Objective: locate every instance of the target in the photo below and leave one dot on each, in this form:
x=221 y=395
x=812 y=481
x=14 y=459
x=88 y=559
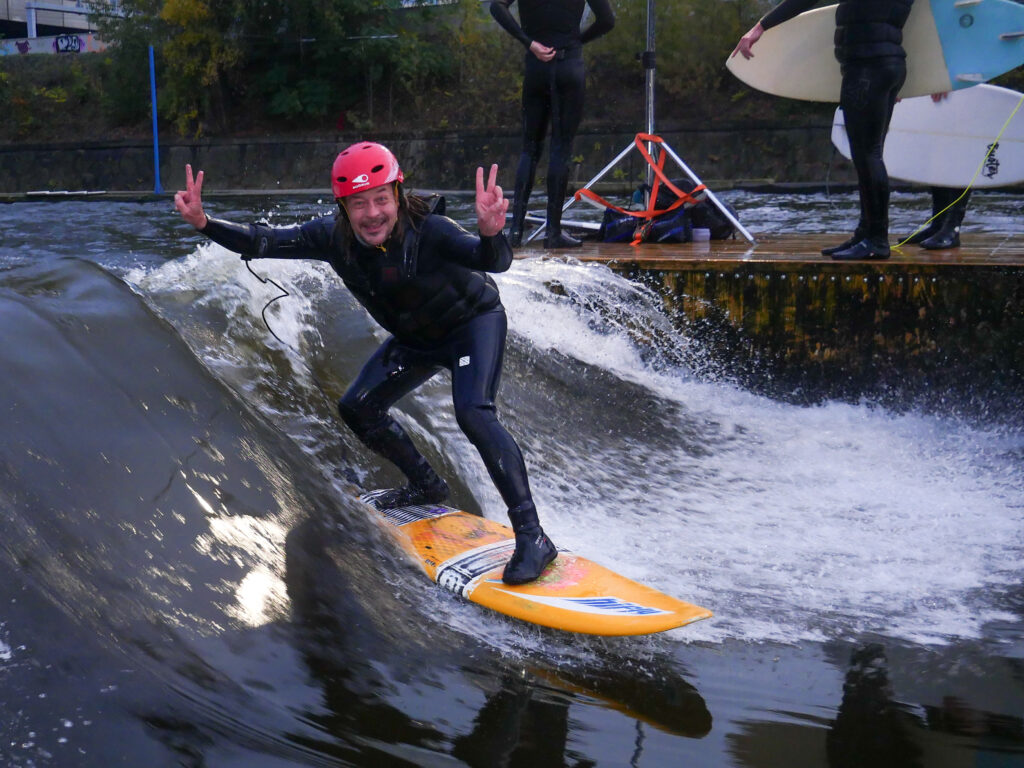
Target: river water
x=185 y=579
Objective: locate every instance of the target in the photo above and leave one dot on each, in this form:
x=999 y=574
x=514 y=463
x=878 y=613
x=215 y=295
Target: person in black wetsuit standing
x=553 y=89
x=424 y=279
x=869 y=47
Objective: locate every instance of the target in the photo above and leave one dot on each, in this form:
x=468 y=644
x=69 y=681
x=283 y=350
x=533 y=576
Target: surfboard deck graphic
x=944 y=143
x=466 y=554
x=950 y=44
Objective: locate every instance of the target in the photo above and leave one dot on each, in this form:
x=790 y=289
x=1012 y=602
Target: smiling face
x=372 y=213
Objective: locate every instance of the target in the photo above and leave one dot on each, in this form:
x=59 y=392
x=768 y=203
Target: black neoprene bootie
x=924 y=234
x=432 y=490
x=948 y=234
x=534 y=550
x=857 y=236
x=868 y=248
x=515 y=234
x=556 y=238
x=947 y=237
x=948 y=209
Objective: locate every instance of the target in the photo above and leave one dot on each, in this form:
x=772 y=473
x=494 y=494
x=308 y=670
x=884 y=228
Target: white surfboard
x=950 y=44
x=943 y=143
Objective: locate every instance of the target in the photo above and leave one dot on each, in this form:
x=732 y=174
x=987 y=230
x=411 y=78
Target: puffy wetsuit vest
x=868 y=29
x=865 y=29
x=420 y=288
x=554 y=23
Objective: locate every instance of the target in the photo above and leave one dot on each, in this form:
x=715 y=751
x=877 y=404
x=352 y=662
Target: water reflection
x=870 y=729
x=372 y=657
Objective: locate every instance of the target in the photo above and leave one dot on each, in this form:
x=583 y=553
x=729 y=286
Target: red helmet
x=363 y=166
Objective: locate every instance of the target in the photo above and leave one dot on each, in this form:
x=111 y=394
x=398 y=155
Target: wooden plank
x=976 y=249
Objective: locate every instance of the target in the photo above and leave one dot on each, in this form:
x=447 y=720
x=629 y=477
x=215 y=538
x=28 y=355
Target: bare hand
x=491 y=205
x=541 y=51
x=189 y=201
x=747 y=42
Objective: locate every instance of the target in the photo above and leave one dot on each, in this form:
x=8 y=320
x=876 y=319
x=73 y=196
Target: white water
x=790 y=523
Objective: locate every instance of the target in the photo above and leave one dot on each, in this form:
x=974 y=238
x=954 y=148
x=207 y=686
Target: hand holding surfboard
x=953 y=142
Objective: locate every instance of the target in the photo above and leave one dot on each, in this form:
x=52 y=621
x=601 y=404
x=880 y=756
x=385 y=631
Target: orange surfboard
x=466 y=554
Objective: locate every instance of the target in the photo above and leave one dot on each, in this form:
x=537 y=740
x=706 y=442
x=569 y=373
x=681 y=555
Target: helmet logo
x=361 y=179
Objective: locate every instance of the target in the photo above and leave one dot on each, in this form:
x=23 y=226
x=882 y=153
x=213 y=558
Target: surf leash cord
x=284 y=294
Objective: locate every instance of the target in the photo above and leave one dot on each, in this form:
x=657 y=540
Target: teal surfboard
x=950 y=44
x=981 y=39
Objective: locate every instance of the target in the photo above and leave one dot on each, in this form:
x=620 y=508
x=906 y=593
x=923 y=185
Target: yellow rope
x=991 y=149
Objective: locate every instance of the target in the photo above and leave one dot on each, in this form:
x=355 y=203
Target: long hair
x=412 y=210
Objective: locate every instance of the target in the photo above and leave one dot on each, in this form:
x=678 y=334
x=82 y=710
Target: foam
x=791 y=523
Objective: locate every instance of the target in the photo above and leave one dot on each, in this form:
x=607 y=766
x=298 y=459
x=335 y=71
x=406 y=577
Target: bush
x=247 y=67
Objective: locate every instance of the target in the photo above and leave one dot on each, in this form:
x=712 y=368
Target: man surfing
x=424 y=279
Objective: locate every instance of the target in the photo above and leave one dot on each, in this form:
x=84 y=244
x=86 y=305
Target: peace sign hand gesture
x=189 y=202
x=491 y=205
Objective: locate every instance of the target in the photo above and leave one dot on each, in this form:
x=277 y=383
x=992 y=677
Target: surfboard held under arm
x=466 y=554
x=974 y=136
x=950 y=44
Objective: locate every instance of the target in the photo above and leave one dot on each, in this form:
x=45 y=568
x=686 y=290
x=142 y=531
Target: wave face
x=186 y=577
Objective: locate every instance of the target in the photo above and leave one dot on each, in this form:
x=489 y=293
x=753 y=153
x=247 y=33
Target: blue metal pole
x=156 y=139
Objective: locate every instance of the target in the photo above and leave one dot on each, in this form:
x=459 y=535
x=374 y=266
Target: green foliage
x=46 y=97
x=126 y=96
x=1013 y=79
x=238 y=66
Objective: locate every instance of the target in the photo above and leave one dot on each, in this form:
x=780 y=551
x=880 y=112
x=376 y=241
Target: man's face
x=373 y=213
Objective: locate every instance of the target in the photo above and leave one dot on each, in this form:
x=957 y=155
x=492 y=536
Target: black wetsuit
x=552 y=91
x=430 y=290
x=868 y=45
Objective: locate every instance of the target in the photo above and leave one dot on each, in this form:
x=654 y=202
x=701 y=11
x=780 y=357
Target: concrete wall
x=941 y=334
x=434 y=161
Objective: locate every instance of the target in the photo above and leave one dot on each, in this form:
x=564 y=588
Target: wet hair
x=412 y=210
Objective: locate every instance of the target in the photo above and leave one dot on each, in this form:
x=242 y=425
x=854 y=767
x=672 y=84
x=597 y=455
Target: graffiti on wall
x=69 y=43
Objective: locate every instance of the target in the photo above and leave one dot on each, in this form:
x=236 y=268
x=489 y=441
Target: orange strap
x=682 y=198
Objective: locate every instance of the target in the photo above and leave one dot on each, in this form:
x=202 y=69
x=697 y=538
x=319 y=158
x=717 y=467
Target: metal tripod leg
x=685 y=168
x=571 y=201
x=711 y=195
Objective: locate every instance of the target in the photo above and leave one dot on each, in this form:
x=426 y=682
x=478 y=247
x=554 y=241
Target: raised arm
x=490 y=250
x=500 y=10
x=784 y=11
x=604 y=20
x=311 y=240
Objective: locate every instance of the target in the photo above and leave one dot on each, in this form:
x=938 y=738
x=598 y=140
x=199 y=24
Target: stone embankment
x=434 y=161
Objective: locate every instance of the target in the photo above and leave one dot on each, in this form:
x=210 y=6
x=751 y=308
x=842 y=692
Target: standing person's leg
x=867 y=96
x=859 y=231
x=940 y=200
x=947 y=234
x=536 y=111
x=567 y=112
x=392 y=372
x=477 y=352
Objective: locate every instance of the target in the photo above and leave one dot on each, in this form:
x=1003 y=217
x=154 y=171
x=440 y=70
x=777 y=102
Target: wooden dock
x=786 y=251
x=779 y=316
